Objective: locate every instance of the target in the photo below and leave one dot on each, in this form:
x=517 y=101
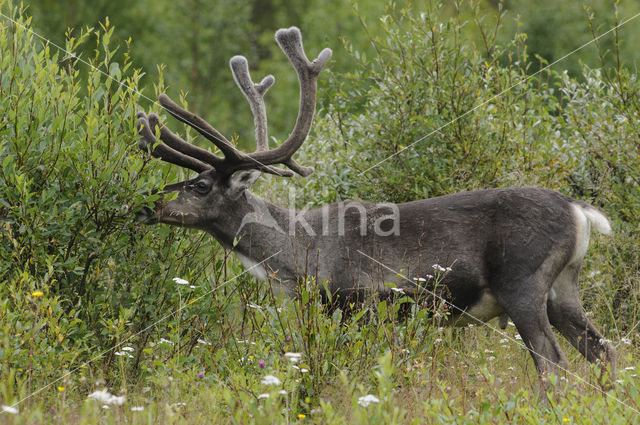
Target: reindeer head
x=222 y=180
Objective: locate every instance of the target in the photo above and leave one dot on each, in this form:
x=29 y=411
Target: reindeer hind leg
x=567 y=315
x=528 y=311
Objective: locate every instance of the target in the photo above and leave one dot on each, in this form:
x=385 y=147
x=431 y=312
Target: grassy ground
x=416 y=371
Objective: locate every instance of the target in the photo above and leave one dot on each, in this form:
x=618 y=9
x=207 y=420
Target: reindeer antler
x=177 y=151
x=255 y=96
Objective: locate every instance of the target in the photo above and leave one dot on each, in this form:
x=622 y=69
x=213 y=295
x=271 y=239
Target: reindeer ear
x=241 y=181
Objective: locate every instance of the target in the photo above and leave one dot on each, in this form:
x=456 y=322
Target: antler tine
x=234 y=160
x=290 y=41
x=176 y=142
x=254 y=93
x=255 y=96
x=148 y=143
x=190 y=156
x=200 y=125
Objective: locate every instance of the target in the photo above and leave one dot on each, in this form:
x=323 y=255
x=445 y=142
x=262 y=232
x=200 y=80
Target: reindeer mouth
x=146 y=216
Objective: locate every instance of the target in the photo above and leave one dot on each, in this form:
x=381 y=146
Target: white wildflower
x=293 y=357
x=165 y=341
x=282 y=392
x=261 y=396
x=503 y=341
x=439 y=268
x=130 y=349
x=625 y=341
x=180 y=281
x=203 y=342
x=630 y=368
x=518 y=337
x=398 y=290
x=137 y=408
x=123 y=354
x=256 y=306
x=270 y=380
x=105 y=397
x=366 y=400
x=192 y=286
x=9 y=409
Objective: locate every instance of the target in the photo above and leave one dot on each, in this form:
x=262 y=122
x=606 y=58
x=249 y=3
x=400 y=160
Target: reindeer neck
x=253 y=227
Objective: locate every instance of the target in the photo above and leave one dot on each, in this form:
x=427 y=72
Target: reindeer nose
x=150 y=192
x=146 y=215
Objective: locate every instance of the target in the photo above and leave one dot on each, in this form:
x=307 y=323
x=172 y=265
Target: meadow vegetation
x=175 y=330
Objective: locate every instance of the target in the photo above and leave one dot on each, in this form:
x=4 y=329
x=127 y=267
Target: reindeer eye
x=201 y=186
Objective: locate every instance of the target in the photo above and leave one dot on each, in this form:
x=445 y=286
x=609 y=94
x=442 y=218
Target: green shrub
x=78 y=274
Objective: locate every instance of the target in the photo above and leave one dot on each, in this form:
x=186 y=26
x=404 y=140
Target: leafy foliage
x=77 y=270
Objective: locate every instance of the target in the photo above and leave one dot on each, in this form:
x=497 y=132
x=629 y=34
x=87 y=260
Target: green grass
x=419 y=372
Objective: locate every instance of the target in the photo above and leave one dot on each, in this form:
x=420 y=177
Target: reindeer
x=514 y=252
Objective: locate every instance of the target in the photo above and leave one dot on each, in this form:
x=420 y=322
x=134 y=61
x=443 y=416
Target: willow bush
x=78 y=274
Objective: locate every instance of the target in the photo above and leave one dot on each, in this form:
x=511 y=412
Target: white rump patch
x=257 y=271
x=583 y=231
x=585 y=217
x=598 y=220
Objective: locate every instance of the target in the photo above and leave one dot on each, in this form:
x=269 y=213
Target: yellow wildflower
x=301 y=416
x=37 y=294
